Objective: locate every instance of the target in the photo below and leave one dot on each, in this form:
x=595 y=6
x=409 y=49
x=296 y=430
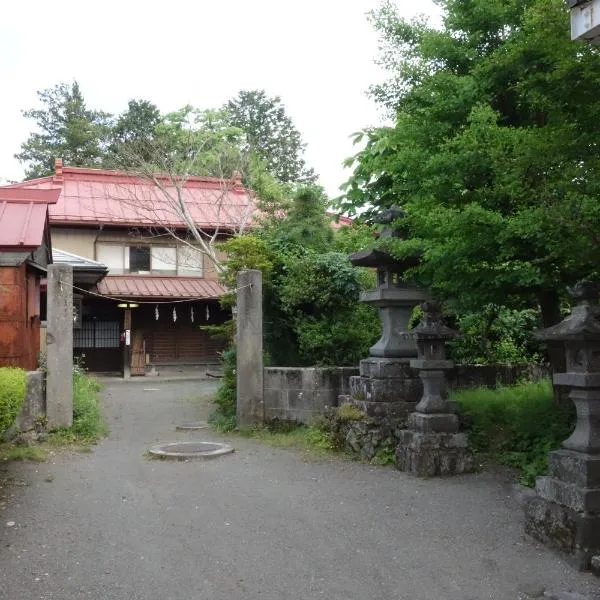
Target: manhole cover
x=191 y=450
x=192 y=426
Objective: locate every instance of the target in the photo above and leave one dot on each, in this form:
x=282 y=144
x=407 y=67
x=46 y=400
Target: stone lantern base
x=433 y=447
x=565 y=512
x=387 y=388
x=386 y=392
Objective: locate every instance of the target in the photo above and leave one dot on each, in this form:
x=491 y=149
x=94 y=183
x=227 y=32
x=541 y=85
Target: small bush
x=349 y=412
x=88 y=423
x=516 y=425
x=223 y=418
x=13 y=383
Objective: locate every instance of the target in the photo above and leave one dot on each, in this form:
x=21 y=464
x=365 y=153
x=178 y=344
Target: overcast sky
x=317 y=55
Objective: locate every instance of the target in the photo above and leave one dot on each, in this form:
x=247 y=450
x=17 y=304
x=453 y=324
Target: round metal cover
x=192 y=426
x=183 y=450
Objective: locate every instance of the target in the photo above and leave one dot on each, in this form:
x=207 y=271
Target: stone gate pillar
x=249 y=345
x=59 y=344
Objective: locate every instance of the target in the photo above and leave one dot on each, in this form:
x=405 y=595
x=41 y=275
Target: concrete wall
x=300 y=394
x=470 y=376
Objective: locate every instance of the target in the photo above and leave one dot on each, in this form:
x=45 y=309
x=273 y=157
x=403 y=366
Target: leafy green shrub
x=223 y=418
x=516 y=425
x=497 y=335
x=13 y=385
x=88 y=422
x=318 y=295
x=87 y=417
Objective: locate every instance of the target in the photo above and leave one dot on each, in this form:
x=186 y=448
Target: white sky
x=317 y=55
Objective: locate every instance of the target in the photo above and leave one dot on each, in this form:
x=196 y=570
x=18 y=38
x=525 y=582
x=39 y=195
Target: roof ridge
x=136 y=175
x=72 y=254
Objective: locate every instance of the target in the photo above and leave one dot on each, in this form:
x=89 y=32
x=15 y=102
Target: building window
x=164 y=258
x=111 y=255
x=139 y=259
x=189 y=261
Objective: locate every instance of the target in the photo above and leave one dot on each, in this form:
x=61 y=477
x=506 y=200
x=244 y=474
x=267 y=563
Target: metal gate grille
x=97 y=334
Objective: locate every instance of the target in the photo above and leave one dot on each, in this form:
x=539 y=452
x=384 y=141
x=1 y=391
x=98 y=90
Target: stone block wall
x=300 y=394
x=470 y=376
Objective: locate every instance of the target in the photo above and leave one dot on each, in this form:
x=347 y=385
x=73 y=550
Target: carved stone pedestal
x=432 y=446
x=565 y=513
x=385 y=388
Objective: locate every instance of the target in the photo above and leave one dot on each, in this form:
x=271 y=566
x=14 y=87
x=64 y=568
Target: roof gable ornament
x=58 y=170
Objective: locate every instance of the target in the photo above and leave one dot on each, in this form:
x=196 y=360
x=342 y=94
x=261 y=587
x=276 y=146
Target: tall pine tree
x=67 y=129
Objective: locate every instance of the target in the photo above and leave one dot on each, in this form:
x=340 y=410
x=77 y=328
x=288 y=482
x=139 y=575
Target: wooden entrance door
x=138 y=353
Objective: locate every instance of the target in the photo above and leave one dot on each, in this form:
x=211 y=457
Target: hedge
x=13 y=383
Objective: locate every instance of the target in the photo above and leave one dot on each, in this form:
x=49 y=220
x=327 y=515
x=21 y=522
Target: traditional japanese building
x=137 y=265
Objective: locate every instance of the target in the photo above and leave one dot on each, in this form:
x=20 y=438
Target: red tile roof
x=339 y=221
x=23 y=217
x=143 y=286
x=101 y=197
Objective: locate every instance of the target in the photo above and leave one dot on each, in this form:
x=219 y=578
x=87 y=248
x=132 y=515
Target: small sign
x=128 y=337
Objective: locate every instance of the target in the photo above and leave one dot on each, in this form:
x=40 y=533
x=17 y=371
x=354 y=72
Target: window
x=189 y=261
x=112 y=256
x=164 y=258
x=139 y=259
x=146 y=259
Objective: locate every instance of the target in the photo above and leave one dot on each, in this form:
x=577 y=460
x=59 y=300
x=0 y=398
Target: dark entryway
x=97 y=341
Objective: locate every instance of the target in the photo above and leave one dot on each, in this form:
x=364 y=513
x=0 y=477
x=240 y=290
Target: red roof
x=339 y=221
x=143 y=286
x=101 y=197
x=23 y=217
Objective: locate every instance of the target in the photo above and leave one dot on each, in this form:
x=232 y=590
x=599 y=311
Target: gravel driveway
x=262 y=523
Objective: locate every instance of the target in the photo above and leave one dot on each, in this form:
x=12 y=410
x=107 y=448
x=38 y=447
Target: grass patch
x=88 y=423
x=8 y=452
x=311 y=440
x=516 y=425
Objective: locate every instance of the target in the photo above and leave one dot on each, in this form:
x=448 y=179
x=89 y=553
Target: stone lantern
x=431 y=445
x=565 y=513
x=395 y=300
x=387 y=388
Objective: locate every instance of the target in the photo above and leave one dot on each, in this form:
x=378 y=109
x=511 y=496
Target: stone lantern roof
x=584 y=321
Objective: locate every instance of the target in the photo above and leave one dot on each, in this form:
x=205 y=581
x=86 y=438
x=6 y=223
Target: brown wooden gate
x=138 y=353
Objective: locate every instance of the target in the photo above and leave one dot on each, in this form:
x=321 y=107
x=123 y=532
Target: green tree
x=303 y=225
x=133 y=133
x=319 y=297
x=67 y=129
x=310 y=292
x=270 y=134
x=493 y=154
